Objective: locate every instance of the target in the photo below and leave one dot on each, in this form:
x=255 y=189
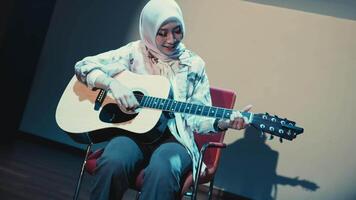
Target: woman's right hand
x=123 y=96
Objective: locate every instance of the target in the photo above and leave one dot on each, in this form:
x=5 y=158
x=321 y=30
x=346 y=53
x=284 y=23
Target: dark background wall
x=77 y=29
x=23 y=27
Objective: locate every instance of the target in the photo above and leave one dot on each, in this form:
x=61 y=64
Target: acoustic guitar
x=84 y=110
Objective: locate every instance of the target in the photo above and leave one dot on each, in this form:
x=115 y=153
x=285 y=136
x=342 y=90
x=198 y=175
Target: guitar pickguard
x=111 y=113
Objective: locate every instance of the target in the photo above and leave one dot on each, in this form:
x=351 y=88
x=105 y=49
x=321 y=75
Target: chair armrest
x=200 y=163
x=212 y=145
x=206 y=146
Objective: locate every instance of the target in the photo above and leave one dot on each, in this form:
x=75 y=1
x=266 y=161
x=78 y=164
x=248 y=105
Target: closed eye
x=162 y=33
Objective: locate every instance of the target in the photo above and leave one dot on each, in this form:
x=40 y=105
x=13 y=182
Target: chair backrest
x=220 y=98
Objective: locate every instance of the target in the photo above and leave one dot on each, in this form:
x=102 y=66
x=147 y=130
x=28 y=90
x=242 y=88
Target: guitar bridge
x=100 y=99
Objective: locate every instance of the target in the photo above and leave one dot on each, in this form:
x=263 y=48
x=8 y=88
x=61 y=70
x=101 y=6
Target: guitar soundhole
x=111 y=113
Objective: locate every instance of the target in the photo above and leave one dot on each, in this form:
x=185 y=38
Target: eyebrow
x=164 y=29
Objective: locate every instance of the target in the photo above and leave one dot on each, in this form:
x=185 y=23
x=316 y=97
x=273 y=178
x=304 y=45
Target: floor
x=32 y=168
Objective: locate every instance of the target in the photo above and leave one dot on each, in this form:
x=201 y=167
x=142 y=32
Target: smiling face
x=168 y=37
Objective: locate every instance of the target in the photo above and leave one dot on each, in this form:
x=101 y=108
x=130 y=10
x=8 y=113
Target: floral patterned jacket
x=187 y=76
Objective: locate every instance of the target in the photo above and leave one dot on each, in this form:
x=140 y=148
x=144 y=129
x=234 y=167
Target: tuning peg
x=271 y=128
x=271 y=137
x=280 y=140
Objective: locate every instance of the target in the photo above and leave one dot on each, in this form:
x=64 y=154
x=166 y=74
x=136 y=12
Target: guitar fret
x=212 y=112
x=149 y=103
x=179 y=104
x=223 y=115
x=188 y=107
x=165 y=104
x=152 y=104
x=193 y=109
x=160 y=103
x=155 y=103
x=199 y=109
x=174 y=104
x=205 y=111
x=208 y=111
x=196 y=109
x=182 y=108
x=219 y=113
x=170 y=103
x=143 y=101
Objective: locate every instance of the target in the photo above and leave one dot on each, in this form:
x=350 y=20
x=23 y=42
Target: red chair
x=210 y=149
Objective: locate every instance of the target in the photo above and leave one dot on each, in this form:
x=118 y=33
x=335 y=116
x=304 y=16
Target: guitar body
x=76 y=113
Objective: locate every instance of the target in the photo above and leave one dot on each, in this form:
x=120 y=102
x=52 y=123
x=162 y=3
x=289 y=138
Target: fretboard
x=183 y=107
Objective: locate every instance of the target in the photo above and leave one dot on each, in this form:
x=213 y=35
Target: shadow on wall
x=341 y=9
x=251 y=165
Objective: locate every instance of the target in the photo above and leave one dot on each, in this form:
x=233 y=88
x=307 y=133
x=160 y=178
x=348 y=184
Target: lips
x=170 y=48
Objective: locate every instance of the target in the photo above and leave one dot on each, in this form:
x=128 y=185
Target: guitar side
x=76 y=114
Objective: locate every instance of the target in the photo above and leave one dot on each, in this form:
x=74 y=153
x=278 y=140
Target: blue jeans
x=164 y=162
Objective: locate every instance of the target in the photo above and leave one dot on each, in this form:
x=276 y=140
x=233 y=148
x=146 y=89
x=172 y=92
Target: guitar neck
x=188 y=108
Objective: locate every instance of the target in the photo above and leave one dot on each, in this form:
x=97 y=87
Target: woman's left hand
x=236 y=120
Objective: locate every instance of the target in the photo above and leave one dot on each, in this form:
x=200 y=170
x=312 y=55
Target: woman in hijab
x=159 y=52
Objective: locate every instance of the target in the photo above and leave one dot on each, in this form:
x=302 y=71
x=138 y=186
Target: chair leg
x=211 y=187
x=138 y=195
x=81 y=173
x=200 y=164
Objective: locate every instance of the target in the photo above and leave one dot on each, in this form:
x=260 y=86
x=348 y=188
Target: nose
x=171 y=39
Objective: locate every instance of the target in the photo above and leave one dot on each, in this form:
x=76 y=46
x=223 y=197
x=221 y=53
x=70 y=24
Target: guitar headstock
x=276 y=126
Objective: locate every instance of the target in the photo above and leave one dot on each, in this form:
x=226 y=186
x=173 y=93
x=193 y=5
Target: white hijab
x=153 y=15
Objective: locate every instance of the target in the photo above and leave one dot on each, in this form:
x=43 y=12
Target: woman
x=160 y=52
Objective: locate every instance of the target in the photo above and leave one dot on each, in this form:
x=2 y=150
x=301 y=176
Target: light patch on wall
x=340 y=9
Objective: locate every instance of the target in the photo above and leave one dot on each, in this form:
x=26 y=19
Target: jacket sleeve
x=200 y=95
x=109 y=63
